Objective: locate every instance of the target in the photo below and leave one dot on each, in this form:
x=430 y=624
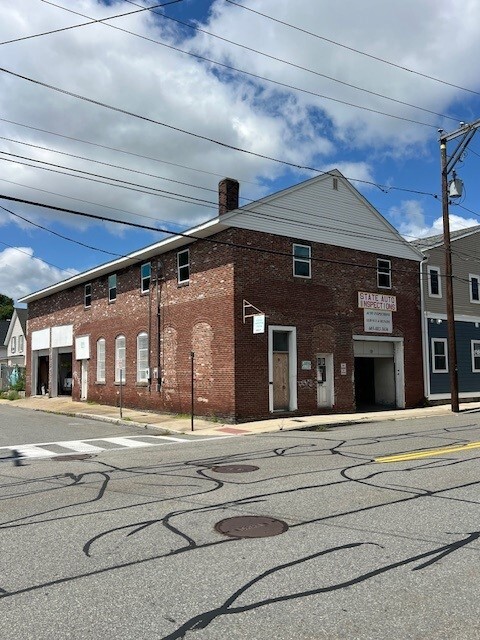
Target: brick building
x=302 y=302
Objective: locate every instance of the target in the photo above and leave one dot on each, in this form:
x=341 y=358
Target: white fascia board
x=169 y=244
x=458 y=318
x=440 y=243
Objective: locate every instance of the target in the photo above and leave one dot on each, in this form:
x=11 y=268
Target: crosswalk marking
x=80 y=446
x=90 y=445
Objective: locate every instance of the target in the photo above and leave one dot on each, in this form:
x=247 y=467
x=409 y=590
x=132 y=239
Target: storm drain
x=251 y=527
x=74 y=456
x=235 y=468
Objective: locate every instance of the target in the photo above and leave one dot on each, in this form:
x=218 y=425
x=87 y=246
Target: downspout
x=426 y=365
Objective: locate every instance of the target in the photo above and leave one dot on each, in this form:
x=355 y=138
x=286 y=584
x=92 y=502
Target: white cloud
x=21 y=272
x=410 y=220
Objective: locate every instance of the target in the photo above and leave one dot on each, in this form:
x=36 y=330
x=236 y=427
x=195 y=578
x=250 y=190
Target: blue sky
x=362 y=87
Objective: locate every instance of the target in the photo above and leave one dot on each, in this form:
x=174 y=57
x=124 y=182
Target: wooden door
x=281 y=386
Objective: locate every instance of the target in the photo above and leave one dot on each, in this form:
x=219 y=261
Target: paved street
x=378 y=535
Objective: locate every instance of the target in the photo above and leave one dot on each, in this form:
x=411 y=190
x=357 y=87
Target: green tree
x=6 y=307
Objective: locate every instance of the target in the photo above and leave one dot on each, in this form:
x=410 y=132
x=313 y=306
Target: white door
x=325 y=380
x=84 y=380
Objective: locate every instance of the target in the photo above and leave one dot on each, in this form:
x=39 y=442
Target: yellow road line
x=417 y=455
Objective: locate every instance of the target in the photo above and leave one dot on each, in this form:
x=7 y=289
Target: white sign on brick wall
x=379 y=301
x=377 y=321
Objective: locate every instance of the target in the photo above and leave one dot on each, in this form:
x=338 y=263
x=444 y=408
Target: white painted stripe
x=127 y=442
x=78 y=445
x=31 y=451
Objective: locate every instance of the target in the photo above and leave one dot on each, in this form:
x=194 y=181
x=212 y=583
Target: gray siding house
x=465 y=245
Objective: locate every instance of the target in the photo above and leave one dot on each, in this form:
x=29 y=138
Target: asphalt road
x=123 y=544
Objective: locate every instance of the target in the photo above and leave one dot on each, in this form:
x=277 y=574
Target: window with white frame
x=101 y=360
x=142 y=357
x=145 y=277
x=302 y=261
x=120 y=353
x=183 y=266
x=13 y=345
x=87 y=297
x=439 y=355
x=21 y=344
x=474 y=288
x=434 y=282
x=384 y=274
x=475 y=346
x=112 y=287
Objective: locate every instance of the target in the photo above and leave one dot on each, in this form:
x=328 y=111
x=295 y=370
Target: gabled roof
x=19 y=314
x=313 y=211
x=423 y=244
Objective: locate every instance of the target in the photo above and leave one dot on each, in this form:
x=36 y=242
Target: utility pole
x=466 y=132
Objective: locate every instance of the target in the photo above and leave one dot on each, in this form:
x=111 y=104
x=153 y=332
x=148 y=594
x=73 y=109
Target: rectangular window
x=302 y=262
x=183 y=266
x=14 y=344
x=101 y=360
x=384 y=274
x=20 y=344
x=142 y=357
x=87 y=298
x=145 y=277
x=434 y=282
x=475 y=356
x=439 y=355
x=474 y=288
x=120 y=359
x=112 y=287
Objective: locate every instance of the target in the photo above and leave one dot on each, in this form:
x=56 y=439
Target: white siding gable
x=315 y=211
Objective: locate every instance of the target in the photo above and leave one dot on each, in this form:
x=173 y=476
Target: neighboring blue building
x=465 y=245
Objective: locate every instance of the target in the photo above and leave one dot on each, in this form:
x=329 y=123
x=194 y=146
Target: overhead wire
x=358 y=51
x=211 y=204
x=85 y=24
x=253 y=75
x=193 y=238
x=297 y=66
x=197 y=135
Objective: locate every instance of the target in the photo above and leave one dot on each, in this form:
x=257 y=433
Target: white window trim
x=306 y=260
x=101 y=361
x=117 y=360
x=87 y=306
x=179 y=280
x=445 y=342
x=472 y=349
x=21 y=344
x=142 y=372
x=13 y=345
x=470 y=276
x=381 y=286
x=439 y=294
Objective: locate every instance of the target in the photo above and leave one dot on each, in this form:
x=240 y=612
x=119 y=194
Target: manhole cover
x=251 y=527
x=75 y=456
x=235 y=468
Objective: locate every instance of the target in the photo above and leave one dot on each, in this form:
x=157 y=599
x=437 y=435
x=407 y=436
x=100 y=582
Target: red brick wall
x=205 y=316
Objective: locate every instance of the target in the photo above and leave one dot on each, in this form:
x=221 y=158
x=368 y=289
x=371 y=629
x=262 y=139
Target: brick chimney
x=228 y=190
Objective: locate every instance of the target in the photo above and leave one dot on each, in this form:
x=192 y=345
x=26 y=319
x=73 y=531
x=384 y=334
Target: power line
x=33 y=257
x=210 y=204
x=297 y=66
x=362 y=53
x=103 y=146
x=256 y=76
x=84 y=24
x=197 y=135
x=59 y=235
x=191 y=237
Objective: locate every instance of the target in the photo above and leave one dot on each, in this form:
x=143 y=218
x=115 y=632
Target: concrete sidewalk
x=169 y=423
